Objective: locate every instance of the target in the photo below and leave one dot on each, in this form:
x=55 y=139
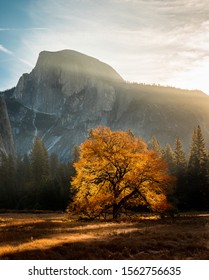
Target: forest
x=38 y=181
x=35 y=182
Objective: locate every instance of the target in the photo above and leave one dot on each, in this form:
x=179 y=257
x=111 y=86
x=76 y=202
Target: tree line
x=111 y=170
x=191 y=171
x=37 y=181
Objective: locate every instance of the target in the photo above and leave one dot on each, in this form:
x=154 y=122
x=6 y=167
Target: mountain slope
x=68 y=93
x=6 y=139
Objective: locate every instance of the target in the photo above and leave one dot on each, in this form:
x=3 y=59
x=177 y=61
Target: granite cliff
x=6 y=138
x=68 y=93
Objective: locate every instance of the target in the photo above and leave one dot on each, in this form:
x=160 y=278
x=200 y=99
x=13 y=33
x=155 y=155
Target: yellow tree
x=116 y=169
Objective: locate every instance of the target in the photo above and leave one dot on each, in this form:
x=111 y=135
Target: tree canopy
x=116 y=170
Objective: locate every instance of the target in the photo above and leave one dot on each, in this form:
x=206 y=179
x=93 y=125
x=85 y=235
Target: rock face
x=65 y=95
x=68 y=93
x=6 y=139
x=61 y=76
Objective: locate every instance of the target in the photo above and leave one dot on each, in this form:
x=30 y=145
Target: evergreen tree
x=198 y=154
x=24 y=183
x=8 y=190
x=169 y=158
x=27 y=168
x=180 y=171
x=53 y=190
x=40 y=172
x=197 y=172
x=39 y=161
x=179 y=158
x=34 y=182
x=155 y=145
x=53 y=166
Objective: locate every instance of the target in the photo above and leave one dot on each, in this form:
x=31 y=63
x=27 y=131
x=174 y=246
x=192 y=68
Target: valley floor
x=53 y=236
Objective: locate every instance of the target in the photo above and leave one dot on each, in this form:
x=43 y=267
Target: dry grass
x=53 y=236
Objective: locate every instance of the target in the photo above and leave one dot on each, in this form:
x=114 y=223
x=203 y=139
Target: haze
x=153 y=41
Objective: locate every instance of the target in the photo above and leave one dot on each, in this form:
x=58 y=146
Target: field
x=54 y=236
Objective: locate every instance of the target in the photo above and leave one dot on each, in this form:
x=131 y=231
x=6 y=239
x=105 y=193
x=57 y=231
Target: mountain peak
x=76 y=64
x=59 y=75
x=68 y=93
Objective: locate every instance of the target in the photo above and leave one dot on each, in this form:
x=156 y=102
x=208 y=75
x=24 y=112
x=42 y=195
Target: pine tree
x=169 y=158
x=24 y=183
x=34 y=182
x=40 y=171
x=198 y=154
x=198 y=173
x=8 y=190
x=180 y=171
x=179 y=158
x=53 y=166
x=27 y=169
x=39 y=159
x=155 y=146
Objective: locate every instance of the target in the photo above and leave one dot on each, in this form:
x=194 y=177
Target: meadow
x=56 y=236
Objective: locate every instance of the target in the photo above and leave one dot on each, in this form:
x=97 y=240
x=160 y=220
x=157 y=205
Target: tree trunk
x=115 y=211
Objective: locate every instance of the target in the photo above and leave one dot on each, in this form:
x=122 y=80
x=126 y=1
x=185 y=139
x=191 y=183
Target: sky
x=146 y=41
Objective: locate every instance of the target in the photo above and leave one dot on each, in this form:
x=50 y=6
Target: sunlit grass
x=52 y=236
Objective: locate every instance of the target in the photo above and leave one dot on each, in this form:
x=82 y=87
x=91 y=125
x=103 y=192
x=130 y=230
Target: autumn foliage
x=115 y=170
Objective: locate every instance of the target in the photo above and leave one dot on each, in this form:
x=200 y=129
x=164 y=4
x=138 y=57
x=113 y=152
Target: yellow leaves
x=115 y=168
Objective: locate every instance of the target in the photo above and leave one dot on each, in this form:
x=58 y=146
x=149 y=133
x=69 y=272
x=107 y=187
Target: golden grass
x=53 y=236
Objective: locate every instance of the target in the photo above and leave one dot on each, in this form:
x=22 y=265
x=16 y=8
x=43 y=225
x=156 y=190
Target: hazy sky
x=149 y=41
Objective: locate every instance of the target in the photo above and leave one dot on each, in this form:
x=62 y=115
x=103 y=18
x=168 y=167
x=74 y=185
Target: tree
x=39 y=159
x=56 y=193
x=198 y=172
x=180 y=171
x=8 y=190
x=179 y=158
x=40 y=172
x=115 y=170
x=155 y=145
x=169 y=158
x=198 y=154
x=23 y=182
x=53 y=165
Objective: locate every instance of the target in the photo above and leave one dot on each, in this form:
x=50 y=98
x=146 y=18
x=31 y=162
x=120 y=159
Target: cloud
x=5 y=50
x=145 y=41
x=26 y=62
x=4 y=29
x=151 y=41
x=21 y=29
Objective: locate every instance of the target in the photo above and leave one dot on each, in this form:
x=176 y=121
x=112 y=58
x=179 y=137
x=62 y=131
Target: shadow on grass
x=21 y=233
x=128 y=246
x=186 y=238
